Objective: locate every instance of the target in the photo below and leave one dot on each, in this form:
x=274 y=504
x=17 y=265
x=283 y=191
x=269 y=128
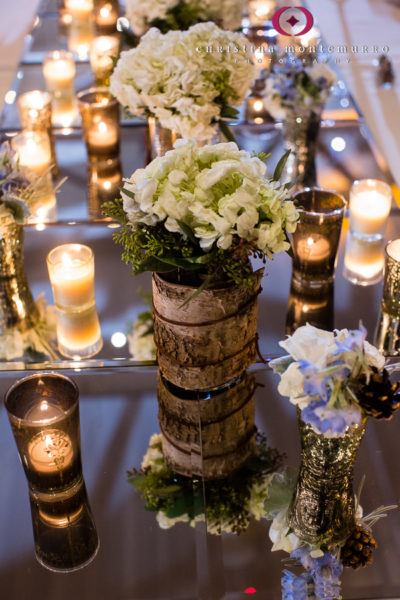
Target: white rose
x=292 y=383
x=280 y=536
x=310 y=343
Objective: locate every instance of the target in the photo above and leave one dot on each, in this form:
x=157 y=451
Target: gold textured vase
x=17 y=306
x=323 y=506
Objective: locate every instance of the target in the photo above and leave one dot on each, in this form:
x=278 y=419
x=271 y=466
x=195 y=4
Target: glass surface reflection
x=315 y=307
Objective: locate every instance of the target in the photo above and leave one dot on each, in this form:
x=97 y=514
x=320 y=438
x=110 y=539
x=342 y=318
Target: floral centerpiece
x=169 y=15
x=336 y=380
x=229 y=503
x=296 y=93
x=322 y=562
x=187 y=89
x=141 y=338
x=195 y=217
x=24 y=325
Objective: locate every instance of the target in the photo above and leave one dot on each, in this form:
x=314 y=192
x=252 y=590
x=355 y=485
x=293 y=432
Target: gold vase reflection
x=315 y=307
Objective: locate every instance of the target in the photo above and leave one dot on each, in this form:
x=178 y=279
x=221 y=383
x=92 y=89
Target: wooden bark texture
x=210 y=340
x=209 y=437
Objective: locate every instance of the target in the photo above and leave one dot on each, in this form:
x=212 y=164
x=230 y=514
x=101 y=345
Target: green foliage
x=226 y=501
x=179 y=17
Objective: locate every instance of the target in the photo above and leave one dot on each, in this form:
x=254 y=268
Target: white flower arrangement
x=167 y=15
x=174 y=78
x=141 y=338
x=169 y=493
x=21 y=191
x=203 y=208
x=336 y=379
x=38 y=341
x=294 y=88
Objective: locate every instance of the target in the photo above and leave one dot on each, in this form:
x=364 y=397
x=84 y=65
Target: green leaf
x=128 y=193
x=181 y=263
x=152 y=263
x=229 y=112
x=203 y=286
x=178 y=508
x=187 y=231
x=280 y=166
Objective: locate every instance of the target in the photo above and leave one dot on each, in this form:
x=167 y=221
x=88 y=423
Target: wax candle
x=363 y=261
x=79 y=332
x=50 y=451
x=79 y=9
x=71 y=270
x=102 y=136
x=33 y=150
x=370 y=203
x=59 y=70
x=313 y=249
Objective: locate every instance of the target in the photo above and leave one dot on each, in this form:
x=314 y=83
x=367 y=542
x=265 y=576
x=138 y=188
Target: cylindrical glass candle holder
x=44 y=414
x=316 y=239
x=35 y=115
x=59 y=73
x=364 y=260
x=102 y=49
x=106 y=16
x=71 y=272
x=370 y=203
x=261 y=11
x=387 y=337
x=35 y=158
x=100 y=123
x=80 y=10
x=104 y=185
x=64 y=530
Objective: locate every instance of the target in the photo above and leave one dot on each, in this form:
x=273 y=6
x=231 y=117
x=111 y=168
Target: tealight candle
x=370 y=203
x=79 y=39
x=260 y=11
x=79 y=9
x=50 y=451
x=106 y=16
x=313 y=249
x=71 y=271
x=101 y=51
x=100 y=123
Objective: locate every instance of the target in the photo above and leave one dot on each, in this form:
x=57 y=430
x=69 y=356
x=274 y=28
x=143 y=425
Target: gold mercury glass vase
x=17 y=306
x=323 y=506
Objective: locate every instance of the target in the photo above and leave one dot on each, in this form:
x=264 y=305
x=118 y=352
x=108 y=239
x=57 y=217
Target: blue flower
x=334 y=420
x=326 y=575
x=316 y=382
x=296 y=587
x=353 y=342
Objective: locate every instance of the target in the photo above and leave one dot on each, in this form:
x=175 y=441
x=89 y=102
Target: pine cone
x=358 y=549
x=380 y=397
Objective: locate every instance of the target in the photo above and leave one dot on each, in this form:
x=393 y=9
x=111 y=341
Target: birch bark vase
x=323 y=507
x=209 y=434
x=208 y=341
x=17 y=306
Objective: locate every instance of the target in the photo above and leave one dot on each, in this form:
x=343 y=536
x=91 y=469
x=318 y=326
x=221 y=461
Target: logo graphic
x=292 y=20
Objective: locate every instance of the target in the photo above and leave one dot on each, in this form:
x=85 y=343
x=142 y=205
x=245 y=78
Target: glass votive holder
x=370 y=203
x=43 y=410
x=316 y=239
x=59 y=73
x=71 y=272
x=80 y=10
x=64 y=529
x=104 y=182
x=35 y=115
x=364 y=260
x=387 y=338
x=102 y=49
x=261 y=11
x=100 y=123
x=106 y=16
x=80 y=35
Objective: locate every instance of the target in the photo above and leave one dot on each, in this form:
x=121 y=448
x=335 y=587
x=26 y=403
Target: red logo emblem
x=289 y=19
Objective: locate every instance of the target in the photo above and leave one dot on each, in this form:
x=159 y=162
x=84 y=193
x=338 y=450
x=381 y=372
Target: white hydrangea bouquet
x=230 y=502
x=292 y=87
x=204 y=210
x=169 y=15
x=174 y=79
x=336 y=379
